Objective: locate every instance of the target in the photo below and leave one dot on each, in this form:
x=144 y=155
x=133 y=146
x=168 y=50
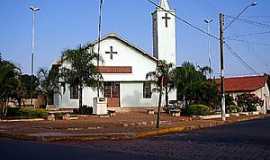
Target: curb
x=162 y=131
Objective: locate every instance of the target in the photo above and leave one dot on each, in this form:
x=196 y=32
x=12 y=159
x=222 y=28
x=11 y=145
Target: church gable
x=110 y=42
x=122 y=60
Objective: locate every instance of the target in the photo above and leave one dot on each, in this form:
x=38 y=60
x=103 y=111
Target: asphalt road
x=247 y=140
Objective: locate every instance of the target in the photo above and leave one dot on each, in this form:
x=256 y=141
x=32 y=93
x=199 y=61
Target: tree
x=48 y=82
x=193 y=86
x=162 y=77
x=9 y=79
x=82 y=70
x=27 y=85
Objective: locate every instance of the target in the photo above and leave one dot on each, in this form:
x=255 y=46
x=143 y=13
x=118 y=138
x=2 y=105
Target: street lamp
x=222 y=29
x=208 y=21
x=250 y=5
x=34 y=11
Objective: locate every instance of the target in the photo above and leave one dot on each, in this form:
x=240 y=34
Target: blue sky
x=63 y=24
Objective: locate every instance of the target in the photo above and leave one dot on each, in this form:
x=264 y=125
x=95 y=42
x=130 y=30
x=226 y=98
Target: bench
x=65 y=116
x=175 y=112
x=150 y=111
x=111 y=113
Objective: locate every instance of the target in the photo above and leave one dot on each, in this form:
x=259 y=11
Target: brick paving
x=122 y=126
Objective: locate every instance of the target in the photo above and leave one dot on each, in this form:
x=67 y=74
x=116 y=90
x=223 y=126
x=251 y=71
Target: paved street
x=247 y=140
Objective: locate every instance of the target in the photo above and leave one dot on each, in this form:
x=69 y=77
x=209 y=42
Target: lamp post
x=208 y=21
x=34 y=11
x=222 y=29
x=243 y=10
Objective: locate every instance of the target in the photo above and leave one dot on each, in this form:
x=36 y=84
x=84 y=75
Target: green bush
x=198 y=109
x=27 y=113
x=233 y=109
x=11 y=112
x=249 y=102
x=85 y=110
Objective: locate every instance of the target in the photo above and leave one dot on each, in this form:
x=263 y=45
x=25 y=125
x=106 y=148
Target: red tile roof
x=243 y=84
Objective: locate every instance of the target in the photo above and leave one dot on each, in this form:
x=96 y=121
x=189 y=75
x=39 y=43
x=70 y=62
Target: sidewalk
x=129 y=125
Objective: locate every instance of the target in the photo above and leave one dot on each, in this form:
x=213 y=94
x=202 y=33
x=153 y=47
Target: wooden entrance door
x=112 y=93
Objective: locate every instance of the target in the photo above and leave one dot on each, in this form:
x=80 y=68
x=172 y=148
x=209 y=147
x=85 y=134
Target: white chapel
x=125 y=67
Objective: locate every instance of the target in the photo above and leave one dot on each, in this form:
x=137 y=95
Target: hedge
x=27 y=113
x=198 y=109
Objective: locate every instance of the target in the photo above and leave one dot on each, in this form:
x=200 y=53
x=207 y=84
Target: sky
x=65 y=24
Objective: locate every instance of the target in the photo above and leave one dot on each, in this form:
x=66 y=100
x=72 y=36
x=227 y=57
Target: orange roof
x=243 y=84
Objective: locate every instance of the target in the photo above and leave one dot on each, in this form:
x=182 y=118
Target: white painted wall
x=126 y=56
x=132 y=95
x=164 y=38
x=263 y=93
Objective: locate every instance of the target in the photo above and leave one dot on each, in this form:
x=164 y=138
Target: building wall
x=131 y=95
x=164 y=38
x=263 y=93
x=126 y=56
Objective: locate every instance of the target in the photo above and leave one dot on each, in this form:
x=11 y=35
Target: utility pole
x=99 y=39
x=221 y=22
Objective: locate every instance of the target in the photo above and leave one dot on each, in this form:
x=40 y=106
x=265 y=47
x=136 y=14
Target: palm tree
x=82 y=71
x=48 y=82
x=9 y=79
x=162 y=77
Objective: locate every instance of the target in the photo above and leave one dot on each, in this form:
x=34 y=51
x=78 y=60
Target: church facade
x=125 y=67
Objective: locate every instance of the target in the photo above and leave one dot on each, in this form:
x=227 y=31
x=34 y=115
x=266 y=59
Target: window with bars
x=147 y=93
x=74 y=92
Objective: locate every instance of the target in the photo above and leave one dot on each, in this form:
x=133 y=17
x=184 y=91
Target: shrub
x=233 y=109
x=11 y=112
x=249 y=102
x=198 y=109
x=86 y=110
x=27 y=113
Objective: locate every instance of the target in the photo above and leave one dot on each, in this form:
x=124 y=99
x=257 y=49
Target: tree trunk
x=159 y=106
x=159 y=103
x=80 y=97
x=167 y=97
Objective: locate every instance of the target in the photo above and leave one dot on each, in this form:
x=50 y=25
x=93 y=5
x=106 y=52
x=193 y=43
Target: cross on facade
x=166 y=18
x=111 y=52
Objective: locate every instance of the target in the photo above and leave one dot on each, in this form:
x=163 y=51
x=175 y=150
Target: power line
x=252 y=22
x=249 y=42
x=250 y=34
x=245 y=64
x=183 y=20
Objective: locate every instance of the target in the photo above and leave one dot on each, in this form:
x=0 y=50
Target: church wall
x=164 y=37
x=132 y=95
x=65 y=101
x=126 y=56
